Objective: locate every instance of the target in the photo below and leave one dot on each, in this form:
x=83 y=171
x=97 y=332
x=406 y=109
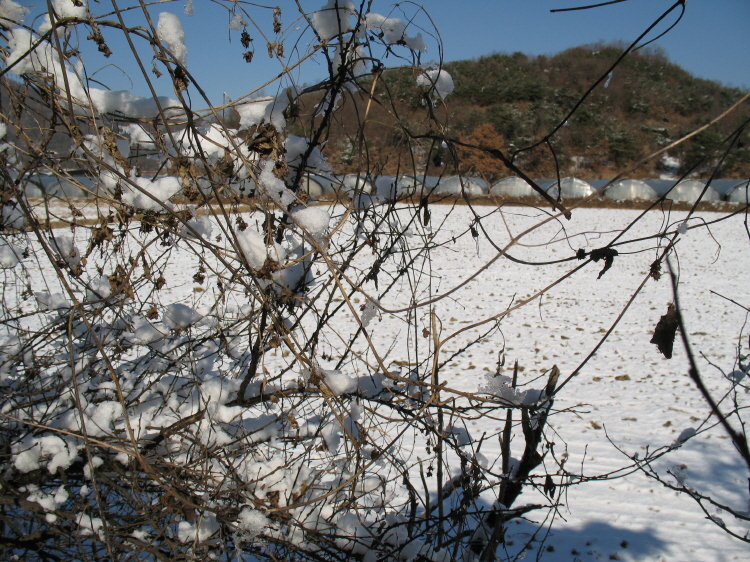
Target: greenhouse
x=739 y=192
x=73 y=184
x=352 y=184
x=571 y=188
x=455 y=185
x=690 y=190
x=630 y=189
x=314 y=186
x=513 y=186
x=406 y=186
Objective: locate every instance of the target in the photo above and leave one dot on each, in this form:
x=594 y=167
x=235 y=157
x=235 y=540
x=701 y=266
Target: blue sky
x=712 y=40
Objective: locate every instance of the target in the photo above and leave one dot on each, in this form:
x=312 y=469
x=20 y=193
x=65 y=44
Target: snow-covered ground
x=628 y=396
x=628 y=393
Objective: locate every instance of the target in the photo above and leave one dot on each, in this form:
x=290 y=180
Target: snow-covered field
x=628 y=393
x=628 y=396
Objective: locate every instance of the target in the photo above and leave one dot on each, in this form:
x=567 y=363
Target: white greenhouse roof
x=454 y=185
x=690 y=190
x=630 y=189
x=353 y=184
x=513 y=186
x=739 y=192
x=311 y=186
x=571 y=188
x=408 y=185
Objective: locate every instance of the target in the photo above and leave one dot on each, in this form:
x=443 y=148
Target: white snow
x=333 y=18
x=150 y=195
x=70 y=9
x=45 y=60
x=314 y=220
x=338 y=382
x=54 y=301
x=90 y=525
x=12 y=217
x=252 y=112
x=12 y=12
x=272 y=186
x=253 y=247
x=652 y=407
x=138 y=135
x=438 y=79
x=172 y=35
x=683 y=436
x=295 y=148
x=124 y=102
x=64 y=245
x=394 y=31
x=369 y=312
x=252 y=521
x=200 y=226
x=10 y=255
x=51 y=451
x=178 y=316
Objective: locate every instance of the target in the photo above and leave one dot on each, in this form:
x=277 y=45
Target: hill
x=512 y=101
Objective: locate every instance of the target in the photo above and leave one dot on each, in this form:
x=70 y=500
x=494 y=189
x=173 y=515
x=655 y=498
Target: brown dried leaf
x=608 y=254
x=119 y=282
x=152 y=313
x=655 y=272
x=245 y=39
x=666 y=330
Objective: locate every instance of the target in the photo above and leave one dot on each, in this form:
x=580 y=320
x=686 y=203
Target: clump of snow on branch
x=314 y=220
x=394 y=32
x=501 y=386
x=272 y=186
x=10 y=255
x=268 y=110
x=296 y=147
x=369 y=311
x=145 y=194
x=684 y=435
x=205 y=525
x=44 y=60
x=172 y=35
x=178 y=316
x=252 y=521
x=90 y=525
x=334 y=18
x=71 y=8
x=11 y=11
x=66 y=247
x=436 y=79
x=253 y=247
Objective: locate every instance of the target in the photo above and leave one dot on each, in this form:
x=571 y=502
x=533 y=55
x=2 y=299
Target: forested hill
x=513 y=100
